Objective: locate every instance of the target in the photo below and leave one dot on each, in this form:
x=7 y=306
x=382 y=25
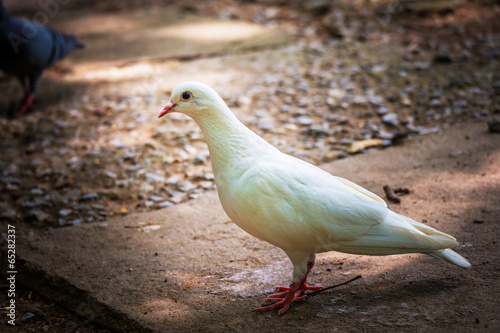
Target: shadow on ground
x=187 y=267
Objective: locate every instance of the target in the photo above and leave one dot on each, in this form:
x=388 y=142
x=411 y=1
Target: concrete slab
x=188 y=268
x=147 y=34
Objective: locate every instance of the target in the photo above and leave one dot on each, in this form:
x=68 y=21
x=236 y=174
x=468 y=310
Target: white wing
x=298 y=206
x=295 y=205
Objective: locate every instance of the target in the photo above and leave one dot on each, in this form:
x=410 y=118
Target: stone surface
x=197 y=270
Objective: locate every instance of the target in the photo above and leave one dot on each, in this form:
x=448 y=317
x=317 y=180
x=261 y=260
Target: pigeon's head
x=194 y=99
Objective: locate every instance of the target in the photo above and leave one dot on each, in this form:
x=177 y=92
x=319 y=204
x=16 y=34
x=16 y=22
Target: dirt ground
x=187 y=268
x=314 y=80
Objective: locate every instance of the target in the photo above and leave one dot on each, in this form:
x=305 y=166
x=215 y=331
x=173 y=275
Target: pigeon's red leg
x=29 y=86
x=27 y=104
x=290 y=294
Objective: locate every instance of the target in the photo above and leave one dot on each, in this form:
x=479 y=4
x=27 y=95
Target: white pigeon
x=295 y=205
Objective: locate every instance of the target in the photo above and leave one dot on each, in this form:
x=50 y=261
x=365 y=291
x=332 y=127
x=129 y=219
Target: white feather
x=295 y=205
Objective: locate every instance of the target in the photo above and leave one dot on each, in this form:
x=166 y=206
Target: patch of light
x=211 y=31
x=119 y=73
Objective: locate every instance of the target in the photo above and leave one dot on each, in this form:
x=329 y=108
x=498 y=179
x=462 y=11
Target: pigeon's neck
x=233 y=147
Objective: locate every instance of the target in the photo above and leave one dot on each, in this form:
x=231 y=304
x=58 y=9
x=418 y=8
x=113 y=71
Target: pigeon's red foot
x=288 y=295
x=285 y=291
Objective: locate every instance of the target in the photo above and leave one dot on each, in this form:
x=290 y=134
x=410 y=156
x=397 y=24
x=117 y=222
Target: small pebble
x=305 y=120
x=165 y=204
x=27 y=316
x=90 y=196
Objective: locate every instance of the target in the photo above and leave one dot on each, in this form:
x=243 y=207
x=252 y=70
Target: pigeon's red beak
x=166 y=109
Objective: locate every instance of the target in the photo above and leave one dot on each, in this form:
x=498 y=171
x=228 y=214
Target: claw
x=284 y=299
x=276 y=305
x=294 y=293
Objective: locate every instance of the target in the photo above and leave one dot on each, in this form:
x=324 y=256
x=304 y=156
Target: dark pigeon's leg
x=30 y=93
x=24 y=84
x=28 y=104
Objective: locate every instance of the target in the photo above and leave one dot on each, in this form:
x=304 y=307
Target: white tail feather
x=451 y=256
x=400 y=234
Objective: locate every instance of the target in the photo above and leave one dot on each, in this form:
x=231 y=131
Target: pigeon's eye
x=186 y=96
